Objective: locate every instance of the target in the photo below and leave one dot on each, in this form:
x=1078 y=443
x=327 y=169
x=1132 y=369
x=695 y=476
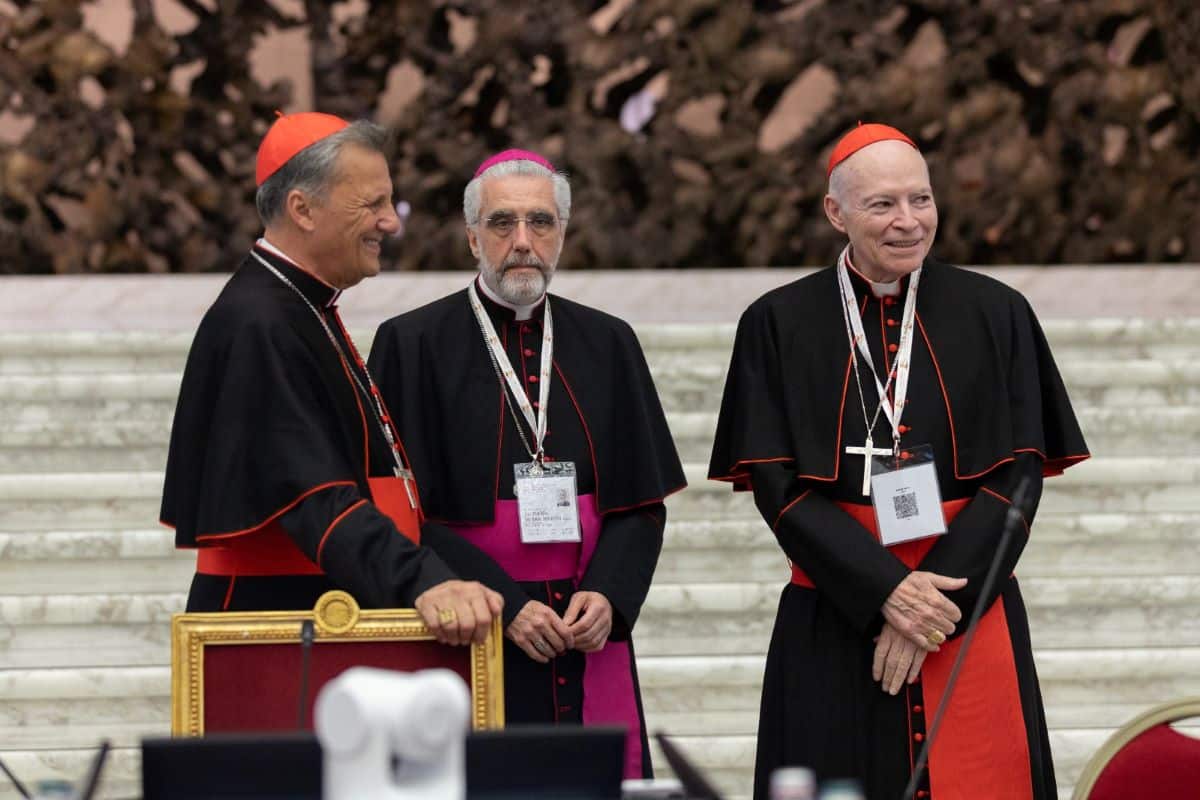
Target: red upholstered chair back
x=1146 y=758
x=242 y=672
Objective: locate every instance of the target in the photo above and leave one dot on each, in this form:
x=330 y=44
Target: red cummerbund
x=911 y=553
x=266 y=551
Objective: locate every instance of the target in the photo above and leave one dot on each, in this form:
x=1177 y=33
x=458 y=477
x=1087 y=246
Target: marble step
x=694 y=383
x=65 y=501
x=719 y=619
x=1100 y=484
x=695 y=552
x=62 y=443
x=731 y=618
x=89 y=351
x=686 y=382
x=1077 y=545
x=1119 y=430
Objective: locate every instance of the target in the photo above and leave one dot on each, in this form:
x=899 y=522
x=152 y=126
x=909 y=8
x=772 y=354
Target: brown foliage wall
x=695 y=132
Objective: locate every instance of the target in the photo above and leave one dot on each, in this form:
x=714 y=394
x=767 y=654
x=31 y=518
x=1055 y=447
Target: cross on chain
x=406 y=478
x=867 y=451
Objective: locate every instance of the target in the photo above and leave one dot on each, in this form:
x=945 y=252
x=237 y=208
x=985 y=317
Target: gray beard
x=520 y=290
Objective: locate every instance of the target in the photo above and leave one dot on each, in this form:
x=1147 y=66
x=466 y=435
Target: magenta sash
x=608 y=691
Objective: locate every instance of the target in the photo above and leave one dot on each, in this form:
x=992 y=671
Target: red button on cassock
x=558 y=595
x=528 y=353
x=562 y=681
x=892 y=323
x=893 y=348
x=532 y=379
x=922 y=793
x=918 y=709
x=920 y=737
x=889 y=301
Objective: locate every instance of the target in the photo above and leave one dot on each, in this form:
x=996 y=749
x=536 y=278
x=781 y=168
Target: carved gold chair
x=247 y=671
x=1146 y=758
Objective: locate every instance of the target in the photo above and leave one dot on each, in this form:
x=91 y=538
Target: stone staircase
x=88 y=580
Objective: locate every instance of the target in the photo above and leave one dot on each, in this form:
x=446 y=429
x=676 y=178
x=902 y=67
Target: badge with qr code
x=906 y=497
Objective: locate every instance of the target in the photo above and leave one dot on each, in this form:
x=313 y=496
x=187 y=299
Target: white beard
x=519 y=289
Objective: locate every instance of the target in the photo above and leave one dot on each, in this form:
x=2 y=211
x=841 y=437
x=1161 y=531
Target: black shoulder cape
x=439 y=350
x=1002 y=389
x=267 y=414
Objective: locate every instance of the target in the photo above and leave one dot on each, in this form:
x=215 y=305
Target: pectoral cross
x=406 y=477
x=867 y=451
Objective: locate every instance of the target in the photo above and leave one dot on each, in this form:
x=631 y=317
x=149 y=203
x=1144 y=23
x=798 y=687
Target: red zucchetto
x=290 y=134
x=862 y=136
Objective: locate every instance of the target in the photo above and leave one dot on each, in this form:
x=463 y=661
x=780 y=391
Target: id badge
x=906 y=497
x=547 y=503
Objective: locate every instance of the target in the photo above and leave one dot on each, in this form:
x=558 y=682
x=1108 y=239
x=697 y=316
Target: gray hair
x=473 y=194
x=312 y=169
x=839 y=183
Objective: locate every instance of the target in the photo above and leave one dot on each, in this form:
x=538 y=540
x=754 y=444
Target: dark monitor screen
x=271 y=766
x=526 y=762
x=546 y=761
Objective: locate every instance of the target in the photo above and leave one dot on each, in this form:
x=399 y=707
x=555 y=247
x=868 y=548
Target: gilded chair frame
x=1167 y=712
x=336 y=618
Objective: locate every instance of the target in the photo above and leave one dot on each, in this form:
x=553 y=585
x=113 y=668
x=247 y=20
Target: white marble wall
x=176 y=302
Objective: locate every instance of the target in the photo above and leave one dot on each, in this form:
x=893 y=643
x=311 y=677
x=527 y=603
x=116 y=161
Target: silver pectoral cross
x=868 y=451
x=406 y=476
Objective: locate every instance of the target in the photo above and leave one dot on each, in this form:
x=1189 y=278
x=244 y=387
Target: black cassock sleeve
x=843 y=560
x=473 y=564
x=623 y=565
x=360 y=549
x=967 y=549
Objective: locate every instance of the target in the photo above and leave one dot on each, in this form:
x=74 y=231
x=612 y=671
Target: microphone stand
x=21 y=790
x=1012 y=519
x=306 y=642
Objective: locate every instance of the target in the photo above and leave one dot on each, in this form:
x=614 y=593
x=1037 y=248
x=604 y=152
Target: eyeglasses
x=539 y=223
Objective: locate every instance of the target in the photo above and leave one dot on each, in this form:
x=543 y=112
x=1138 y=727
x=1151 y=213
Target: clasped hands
x=542 y=634
x=917 y=619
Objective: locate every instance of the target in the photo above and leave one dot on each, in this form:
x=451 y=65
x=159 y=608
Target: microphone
x=306 y=641
x=20 y=786
x=1012 y=519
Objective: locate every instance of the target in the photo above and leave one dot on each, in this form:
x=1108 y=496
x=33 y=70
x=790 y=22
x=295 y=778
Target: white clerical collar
x=889 y=289
x=885 y=289
x=270 y=248
x=522 y=312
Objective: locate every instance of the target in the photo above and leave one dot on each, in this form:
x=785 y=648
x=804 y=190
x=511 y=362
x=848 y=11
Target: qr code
x=905 y=505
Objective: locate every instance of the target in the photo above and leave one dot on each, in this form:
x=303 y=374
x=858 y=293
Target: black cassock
x=273 y=452
x=985 y=393
x=436 y=375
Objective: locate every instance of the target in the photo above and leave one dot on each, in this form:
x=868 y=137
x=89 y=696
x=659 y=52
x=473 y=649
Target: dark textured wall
x=1057 y=131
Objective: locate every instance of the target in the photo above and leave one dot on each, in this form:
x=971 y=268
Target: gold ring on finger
x=446 y=616
x=935 y=637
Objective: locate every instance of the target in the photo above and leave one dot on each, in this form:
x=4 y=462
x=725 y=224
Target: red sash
x=268 y=550
x=911 y=553
x=983 y=740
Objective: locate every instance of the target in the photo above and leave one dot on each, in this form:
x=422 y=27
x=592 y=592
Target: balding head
x=881 y=198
